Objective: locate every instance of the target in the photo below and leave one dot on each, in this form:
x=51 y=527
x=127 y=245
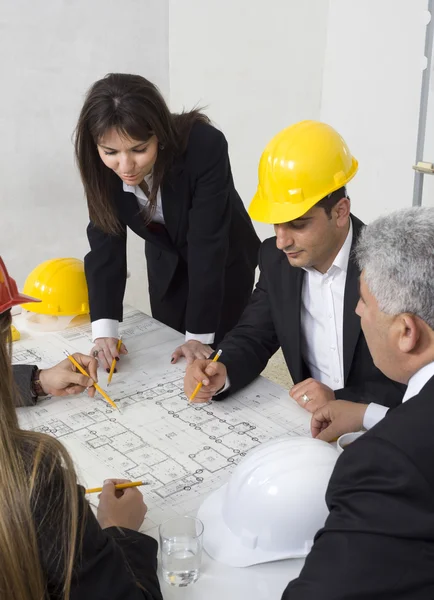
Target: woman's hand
x=120 y=508
x=105 y=350
x=192 y=350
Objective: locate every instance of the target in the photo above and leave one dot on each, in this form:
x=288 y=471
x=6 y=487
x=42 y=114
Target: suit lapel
x=351 y=322
x=292 y=282
x=131 y=215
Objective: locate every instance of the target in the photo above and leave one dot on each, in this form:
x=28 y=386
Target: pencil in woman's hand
x=119 y=486
x=95 y=385
x=112 y=368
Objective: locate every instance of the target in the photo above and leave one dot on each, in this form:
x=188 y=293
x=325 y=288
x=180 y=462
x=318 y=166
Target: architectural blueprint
x=183 y=451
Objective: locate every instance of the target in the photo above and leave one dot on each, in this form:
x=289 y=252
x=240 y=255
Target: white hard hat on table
x=272 y=505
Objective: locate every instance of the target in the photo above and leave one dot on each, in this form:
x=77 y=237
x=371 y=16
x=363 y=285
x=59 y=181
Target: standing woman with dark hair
x=167 y=177
x=51 y=545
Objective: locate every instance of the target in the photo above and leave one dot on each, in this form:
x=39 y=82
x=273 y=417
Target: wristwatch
x=35 y=384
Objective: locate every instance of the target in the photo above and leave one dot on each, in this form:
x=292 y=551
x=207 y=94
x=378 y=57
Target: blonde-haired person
x=51 y=544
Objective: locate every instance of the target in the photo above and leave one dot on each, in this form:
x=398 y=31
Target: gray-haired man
x=378 y=541
x=396 y=254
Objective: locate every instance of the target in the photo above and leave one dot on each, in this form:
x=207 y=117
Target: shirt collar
x=137 y=190
x=418 y=380
x=342 y=257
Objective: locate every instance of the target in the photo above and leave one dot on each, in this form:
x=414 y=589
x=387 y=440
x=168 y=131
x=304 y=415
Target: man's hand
x=311 y=394
x=336 y=418
x=192 y=350
x=211 y=374
x=64 y=380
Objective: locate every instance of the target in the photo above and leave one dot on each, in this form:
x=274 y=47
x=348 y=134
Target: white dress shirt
x=375 y=412
x=322 y=318
x=110 y=327
x=142 y=199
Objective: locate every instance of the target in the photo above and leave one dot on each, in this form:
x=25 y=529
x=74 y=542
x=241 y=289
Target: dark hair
x=332 y=199
x=134 y=107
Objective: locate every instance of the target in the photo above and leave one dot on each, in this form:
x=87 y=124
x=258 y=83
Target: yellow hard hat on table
x=300 y=166
x=61 y=286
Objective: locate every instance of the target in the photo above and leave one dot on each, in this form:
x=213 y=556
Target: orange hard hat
x=9 y=294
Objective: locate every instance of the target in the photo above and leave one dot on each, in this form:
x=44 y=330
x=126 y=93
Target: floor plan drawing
x=182 y=450
x=30 y=357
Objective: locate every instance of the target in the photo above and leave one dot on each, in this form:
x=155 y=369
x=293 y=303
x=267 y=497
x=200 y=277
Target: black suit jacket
x=378 y=541
x=272 y=319
x=201 y=264
x=23 y=382
x=114 y=563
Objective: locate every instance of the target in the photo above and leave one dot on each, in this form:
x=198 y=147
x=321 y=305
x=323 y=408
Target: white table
x=151 y=344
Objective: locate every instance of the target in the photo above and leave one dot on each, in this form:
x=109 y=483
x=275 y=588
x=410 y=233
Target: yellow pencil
x=95 y=385
x=119 y=486
x=199 y=385
x=112 y=368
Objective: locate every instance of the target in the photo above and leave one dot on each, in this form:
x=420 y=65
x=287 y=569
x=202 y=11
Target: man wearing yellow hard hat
x=308 y=287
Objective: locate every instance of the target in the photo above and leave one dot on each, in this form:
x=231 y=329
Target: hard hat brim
x=221 y=544
x=16 y=300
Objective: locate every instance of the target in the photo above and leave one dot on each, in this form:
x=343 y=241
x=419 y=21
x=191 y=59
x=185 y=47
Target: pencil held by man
x=212 y=376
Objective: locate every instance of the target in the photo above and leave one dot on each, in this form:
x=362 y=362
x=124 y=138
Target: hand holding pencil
x=204 y=378
x=121 y=507
x=95 y=385
x=64 y=379
x=105 y=350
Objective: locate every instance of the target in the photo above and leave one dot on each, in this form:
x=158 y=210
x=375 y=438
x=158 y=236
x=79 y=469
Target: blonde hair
x=36 y=476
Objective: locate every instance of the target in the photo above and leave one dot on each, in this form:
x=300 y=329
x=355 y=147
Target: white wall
x=51 y=52
x=371 y=94
x=256 y=66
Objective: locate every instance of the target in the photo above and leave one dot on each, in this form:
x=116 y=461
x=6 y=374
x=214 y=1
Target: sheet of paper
x=184 y=451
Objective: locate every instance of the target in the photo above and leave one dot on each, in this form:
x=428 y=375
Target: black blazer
x=201 y=264
x=23 y=384
x=378 y=541
x=272 y=319
x=113 y=563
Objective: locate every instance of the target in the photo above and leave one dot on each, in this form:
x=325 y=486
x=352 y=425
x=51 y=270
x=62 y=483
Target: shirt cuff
x=227 y=386
x=105 y=328
x=204 y=338
x=373 y=415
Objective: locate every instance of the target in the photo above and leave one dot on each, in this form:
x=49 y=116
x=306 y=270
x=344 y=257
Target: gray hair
x=396 y=253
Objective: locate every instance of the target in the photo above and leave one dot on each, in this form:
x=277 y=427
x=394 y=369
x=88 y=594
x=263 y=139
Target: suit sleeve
x=247 y=349
x=208 y=234
x=106 y=273
x=372 y=545
x=23 y=382
x=381 y=391
x=112 y=563
x=117 y=564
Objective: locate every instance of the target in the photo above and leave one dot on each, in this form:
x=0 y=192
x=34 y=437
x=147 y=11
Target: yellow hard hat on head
x=61 y=286
x=299 y=167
